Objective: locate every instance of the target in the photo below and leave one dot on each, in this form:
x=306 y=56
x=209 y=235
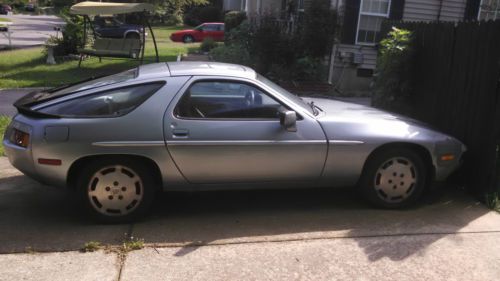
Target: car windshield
x=294 y=98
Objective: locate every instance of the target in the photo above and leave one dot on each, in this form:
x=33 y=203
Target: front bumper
x=445 y=168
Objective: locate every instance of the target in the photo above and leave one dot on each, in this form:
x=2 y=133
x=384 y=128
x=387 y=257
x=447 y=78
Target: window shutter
x=472 y=9
x=351 y=14
x=397 y=9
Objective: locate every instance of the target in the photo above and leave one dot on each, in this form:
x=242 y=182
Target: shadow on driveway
x=41 y=218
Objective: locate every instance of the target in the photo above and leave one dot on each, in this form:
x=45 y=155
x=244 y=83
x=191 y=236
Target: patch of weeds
x=4 y=122
x=131 y=244
x=493 y=201
x=91 y=246
x=29 y=250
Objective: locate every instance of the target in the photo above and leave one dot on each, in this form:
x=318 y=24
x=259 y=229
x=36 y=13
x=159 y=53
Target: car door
x=107 y=27
x=228 y=131
x=219 y=33
x=210 y=30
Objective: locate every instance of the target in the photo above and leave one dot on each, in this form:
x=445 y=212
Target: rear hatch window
x=91 y=83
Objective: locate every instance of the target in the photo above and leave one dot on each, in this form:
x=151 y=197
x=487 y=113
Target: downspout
x=439 y=11
x=334 y=51
x=332 y=63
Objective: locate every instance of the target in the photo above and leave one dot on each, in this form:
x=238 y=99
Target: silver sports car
x=189 y=126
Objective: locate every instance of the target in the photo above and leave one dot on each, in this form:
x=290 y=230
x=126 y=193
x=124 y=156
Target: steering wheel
x=250 y=98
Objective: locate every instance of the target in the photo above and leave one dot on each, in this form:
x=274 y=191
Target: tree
x=174 y=9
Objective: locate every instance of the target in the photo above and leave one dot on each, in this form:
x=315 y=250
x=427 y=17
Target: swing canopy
x=106 y=46
x=90 y=8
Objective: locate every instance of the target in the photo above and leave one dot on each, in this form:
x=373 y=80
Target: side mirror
x=288 y=119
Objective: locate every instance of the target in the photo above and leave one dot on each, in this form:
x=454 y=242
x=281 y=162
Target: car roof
x=200 y=68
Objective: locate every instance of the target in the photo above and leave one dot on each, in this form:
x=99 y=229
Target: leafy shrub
x=275 y=50
x=393 y=77
x=72 y=37
x=233 y=19
x=63 y=3
x=208 y=44
x=242 y=34
x=17 y=4
x=310 y=69
x=234 y=53
x=270 y=45
x=318 y=29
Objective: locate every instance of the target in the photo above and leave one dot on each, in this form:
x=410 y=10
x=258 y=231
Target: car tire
x=187 y=39
x=116 y=189
x=393 y=178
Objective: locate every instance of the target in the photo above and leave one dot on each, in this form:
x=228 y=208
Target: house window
x=371 y=15
x=489 y=10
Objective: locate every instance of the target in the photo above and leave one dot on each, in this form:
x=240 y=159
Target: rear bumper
x=22 y=158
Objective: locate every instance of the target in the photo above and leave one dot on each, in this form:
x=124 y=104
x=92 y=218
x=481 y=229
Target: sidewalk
x=248 y=235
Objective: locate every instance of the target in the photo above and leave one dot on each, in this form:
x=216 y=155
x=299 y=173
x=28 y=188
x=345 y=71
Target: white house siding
x=453 y=10
x=231 y=5
x=428 y=10
x=270 y=6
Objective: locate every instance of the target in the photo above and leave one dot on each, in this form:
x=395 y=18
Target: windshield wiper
x=315 y=108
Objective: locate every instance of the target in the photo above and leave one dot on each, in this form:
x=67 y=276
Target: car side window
x=226 y=99
x=210 y=27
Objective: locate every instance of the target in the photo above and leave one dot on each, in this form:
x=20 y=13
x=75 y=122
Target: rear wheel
x=394 y=178
x=116 y=189
x=188 y=39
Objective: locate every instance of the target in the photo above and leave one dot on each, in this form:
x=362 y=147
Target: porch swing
x=126 y=48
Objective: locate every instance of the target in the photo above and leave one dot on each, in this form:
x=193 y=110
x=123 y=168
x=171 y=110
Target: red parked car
x=209 y=29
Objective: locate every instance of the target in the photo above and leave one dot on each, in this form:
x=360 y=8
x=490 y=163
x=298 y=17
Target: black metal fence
x=456 y=88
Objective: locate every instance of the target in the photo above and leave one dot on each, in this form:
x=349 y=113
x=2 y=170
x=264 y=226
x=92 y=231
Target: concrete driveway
x=248 y=235
x=28 y=30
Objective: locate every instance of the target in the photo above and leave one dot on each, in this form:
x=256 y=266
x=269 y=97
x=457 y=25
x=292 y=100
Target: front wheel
x=188 y=39
x=115 y=189
x=394 y=178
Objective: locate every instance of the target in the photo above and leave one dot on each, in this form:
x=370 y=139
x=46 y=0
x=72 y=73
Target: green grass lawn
x=27 y=68
x=4 y=121
x=4 y=19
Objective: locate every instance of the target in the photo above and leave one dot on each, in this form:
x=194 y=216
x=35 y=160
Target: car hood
x=345 y=120
x=340 y=110
x=184 y=31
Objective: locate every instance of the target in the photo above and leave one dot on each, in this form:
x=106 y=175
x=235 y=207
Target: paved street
x=28 y=30
x=8 y=97
x=249 y=235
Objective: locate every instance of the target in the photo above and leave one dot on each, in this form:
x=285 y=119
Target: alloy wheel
x=115 y=190
x=395 y=180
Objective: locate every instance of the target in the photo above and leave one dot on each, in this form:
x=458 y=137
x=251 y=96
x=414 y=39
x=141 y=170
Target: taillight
x=20 y=138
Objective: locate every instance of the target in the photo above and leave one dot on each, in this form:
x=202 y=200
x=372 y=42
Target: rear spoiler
x=33 y=113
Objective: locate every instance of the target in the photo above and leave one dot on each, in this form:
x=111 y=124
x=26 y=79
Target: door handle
x=180 y=133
